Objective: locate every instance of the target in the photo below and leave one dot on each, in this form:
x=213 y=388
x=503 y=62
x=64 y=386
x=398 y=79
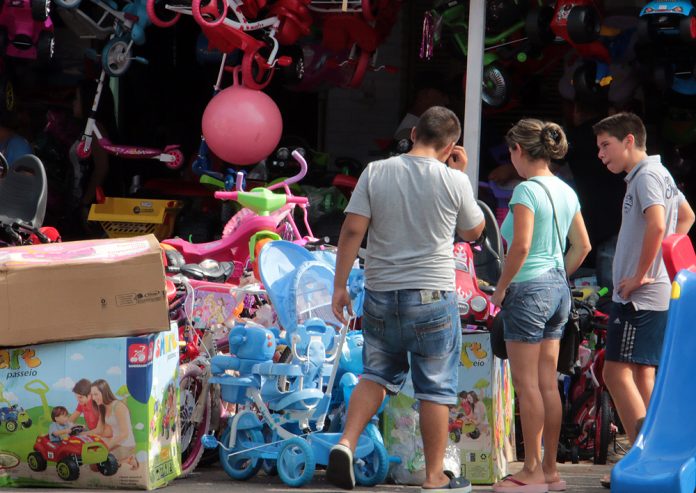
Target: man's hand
x=498 y=297
x=341 y=300
x=458 y=159
x=630 y=284
x=503 y=174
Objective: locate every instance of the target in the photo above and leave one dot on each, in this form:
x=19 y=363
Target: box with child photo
x=98 y=413
x=480 y=425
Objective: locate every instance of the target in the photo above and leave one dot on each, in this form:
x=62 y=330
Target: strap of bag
x=555 y=220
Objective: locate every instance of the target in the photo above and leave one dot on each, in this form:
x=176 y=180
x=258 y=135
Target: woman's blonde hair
x=538 y=139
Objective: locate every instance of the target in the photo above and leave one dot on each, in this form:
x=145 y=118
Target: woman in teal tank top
x=534 y=296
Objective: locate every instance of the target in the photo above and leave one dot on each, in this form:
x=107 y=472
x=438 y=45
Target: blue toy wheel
x=116 y=57
x=241 y=466
x=373 y=468
x=296 y=462
x=68 y=4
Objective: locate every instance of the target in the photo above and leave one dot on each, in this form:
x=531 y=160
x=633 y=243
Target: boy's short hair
x=82 y=387
x=622 y=124
x=438 y=127
x=58 y=411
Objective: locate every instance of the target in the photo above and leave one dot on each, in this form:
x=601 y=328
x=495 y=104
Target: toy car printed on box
x=71 y=453
x=11 y=417
x=97 y=413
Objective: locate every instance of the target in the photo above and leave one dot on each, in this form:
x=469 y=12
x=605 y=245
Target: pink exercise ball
x=242 y=126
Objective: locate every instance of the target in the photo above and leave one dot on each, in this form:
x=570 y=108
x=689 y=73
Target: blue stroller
x=290 y=400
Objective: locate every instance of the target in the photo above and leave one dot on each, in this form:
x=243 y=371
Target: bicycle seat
x=230 y=248
x=23 y=192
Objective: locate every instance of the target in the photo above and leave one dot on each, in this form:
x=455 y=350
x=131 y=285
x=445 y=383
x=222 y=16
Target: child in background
x=60 y=428
x=85 y=406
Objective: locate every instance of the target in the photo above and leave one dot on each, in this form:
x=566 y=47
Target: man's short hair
x=438 y=127
x=622 y=124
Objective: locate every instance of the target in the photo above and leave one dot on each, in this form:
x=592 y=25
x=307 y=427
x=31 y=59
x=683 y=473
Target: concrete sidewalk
x=581 y=478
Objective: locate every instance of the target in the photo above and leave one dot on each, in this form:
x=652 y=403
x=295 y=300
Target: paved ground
x=581 y=478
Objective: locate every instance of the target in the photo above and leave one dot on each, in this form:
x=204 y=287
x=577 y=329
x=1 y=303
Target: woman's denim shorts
x=537 y=309
x=422 y=323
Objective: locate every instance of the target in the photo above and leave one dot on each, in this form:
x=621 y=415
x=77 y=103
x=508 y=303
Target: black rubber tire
x=537 y=24
x=583 y=25
x=643 y=30
x=687 y=29
x=603 y=420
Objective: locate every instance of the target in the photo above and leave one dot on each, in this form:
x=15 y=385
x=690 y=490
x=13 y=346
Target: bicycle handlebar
x=303 y=171
x=289 y=199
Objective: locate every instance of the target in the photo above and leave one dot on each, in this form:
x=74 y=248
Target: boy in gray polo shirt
x=653 y=208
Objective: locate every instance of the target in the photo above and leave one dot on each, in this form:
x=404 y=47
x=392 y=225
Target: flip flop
x=520 y=487
x=559 y=485
x=456 y=485
x=339 y=471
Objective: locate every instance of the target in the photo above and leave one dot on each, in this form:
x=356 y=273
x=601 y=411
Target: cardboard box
x=139 y=373
x=81 y=290
x=481 y=426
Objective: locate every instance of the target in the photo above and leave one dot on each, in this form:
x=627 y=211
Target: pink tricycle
x=171 y=156
x=265 y=215
x=28 y=28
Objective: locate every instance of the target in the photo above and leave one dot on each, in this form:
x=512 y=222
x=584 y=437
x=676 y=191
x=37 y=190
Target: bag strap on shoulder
x=555 y=220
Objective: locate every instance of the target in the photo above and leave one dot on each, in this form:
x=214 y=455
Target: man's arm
x=652 y=240
x=685 y=218
x=472 y=234
x=352 y=233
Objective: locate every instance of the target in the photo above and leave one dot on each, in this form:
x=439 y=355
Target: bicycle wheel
x=582 y=422
x=191 y=392
x=603 y=428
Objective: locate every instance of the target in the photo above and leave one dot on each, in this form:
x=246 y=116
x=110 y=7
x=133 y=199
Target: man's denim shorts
x=537 y=309
x=424 y=323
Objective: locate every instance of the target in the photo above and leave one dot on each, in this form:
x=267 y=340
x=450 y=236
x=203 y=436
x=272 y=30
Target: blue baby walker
x=283 y=407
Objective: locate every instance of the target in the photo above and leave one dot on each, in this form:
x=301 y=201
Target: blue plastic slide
x=663 y=459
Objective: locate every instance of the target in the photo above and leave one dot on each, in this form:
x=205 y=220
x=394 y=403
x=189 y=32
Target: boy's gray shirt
x=648 y=184
x=414 y=204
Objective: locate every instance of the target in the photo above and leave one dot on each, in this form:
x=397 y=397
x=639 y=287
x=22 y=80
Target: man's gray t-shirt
x=648 y=184
x=414 y=205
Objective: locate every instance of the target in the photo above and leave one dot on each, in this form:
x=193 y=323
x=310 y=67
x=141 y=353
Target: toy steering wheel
x=76 y=430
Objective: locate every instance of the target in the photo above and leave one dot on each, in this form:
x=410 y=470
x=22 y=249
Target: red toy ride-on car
x=27 y=29
x=71 y=453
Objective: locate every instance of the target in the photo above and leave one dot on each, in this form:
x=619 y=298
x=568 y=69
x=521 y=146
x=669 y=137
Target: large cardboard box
x=481 y=426
x=137 y=380
x=81 y=290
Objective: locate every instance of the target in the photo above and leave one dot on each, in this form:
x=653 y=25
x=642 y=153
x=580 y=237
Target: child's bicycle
x=266 y=215
x=171 y=155
x=590 y=422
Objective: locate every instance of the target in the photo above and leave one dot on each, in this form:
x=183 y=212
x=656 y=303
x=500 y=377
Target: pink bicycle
x=265 y=215
x=171 y=155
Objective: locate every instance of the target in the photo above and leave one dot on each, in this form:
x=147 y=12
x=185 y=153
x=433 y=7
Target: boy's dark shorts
x=635 y=336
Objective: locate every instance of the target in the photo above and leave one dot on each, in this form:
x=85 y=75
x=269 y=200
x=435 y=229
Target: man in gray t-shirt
x=653 y=208
x=411 y=205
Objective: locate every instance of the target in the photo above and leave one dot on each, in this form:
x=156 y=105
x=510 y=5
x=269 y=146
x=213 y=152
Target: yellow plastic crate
x=121 y=217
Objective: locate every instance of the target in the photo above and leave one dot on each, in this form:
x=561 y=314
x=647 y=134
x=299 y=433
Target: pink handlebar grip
x=296 y=200
x=226 y=195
